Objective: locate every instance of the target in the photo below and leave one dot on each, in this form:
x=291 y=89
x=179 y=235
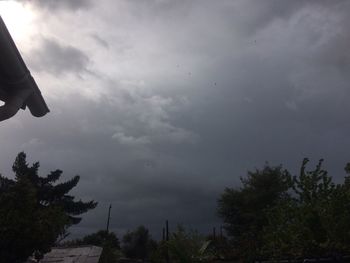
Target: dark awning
x=15 y=76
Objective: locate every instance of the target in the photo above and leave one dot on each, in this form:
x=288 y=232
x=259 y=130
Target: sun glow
x=18 y=18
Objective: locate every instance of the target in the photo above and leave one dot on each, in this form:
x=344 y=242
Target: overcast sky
x=161 y=104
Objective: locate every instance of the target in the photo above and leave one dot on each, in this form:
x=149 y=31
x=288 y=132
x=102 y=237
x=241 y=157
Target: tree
x=189 y=247
x=279 y=216
x=138 y=244
x=34 y=211
x=314 y=220
x=243 y=210
x=102 y=238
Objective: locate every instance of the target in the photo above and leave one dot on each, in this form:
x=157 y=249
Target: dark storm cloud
x=57 y=58
x=269 y=102
x=134 y=179
x=54 y=5
x=180 y=200
x=252 y=16
x=224 y=86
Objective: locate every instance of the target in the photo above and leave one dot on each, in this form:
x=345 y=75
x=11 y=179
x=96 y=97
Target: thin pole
x=109 y=216
x=167 y=239
x=167 y=230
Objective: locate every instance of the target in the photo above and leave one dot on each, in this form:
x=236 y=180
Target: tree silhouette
x=35 y=210
x=138 y=244
x=314 y=220
x=244 y=209
x=278 y=216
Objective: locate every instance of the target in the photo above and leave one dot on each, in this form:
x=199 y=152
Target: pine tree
x=35 y=211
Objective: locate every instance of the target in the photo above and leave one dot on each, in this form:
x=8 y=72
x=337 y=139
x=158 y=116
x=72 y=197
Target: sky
x=159 y=105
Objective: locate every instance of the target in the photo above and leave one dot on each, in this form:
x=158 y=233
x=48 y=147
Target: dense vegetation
x=183 y=246
x=275 y=215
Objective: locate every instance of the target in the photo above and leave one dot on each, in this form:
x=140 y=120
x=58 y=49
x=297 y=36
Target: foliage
x=138 y=244
x=188 y=247
x=314 y=220
x=278 y=216
x=220 y=248
x=184 y=247
x=243 y=210
x=34 y=211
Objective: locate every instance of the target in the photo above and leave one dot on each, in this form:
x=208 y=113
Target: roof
x=15 y=76
x=85 y=254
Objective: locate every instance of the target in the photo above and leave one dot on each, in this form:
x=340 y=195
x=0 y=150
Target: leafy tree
x=184 y=246
x=243 y=210
x=138 y=244
x=34 y=211
x=314 y=220
x=101 y=238
x=220 y=247
x=275 y=215
x=188 y=247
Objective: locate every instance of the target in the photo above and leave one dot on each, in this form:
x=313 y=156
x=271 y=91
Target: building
x=84 y=254
x=18 y=89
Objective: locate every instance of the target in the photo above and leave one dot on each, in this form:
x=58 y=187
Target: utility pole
x=167 y=239
x=167 y=230
x=109 y=216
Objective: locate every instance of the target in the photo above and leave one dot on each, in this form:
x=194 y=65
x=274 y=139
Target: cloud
x=252 y=16
x=100 y=41
x=54 y=5
x=184 y=98
x=130 y=140
x=57 y=58
x=35 y=142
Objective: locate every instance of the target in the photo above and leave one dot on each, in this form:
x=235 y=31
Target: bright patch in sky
x=18 y=19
